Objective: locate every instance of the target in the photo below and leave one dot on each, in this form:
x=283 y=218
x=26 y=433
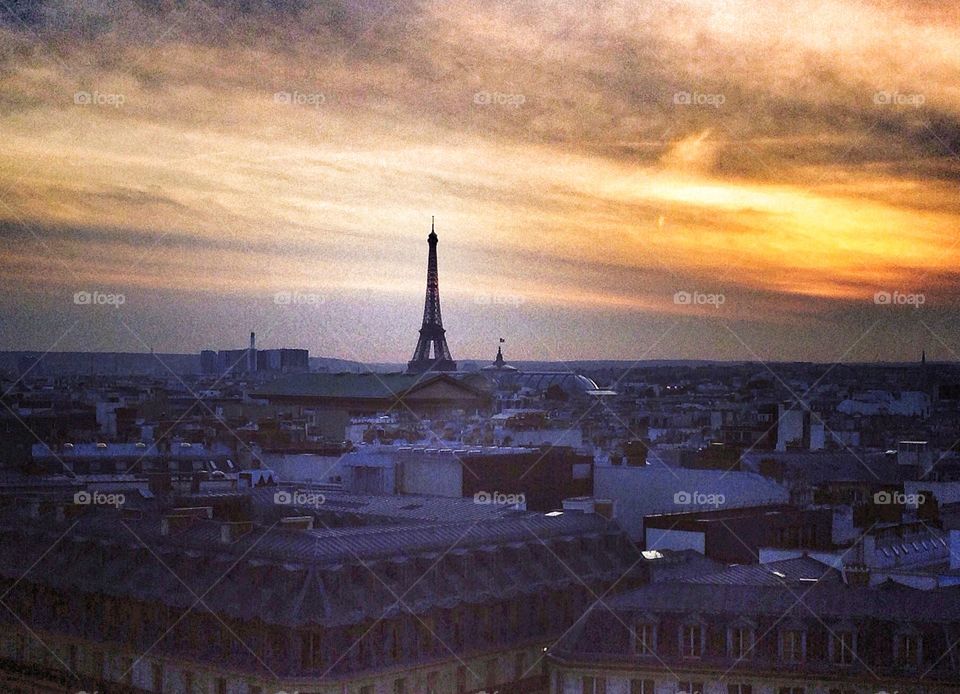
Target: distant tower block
x=432 y=353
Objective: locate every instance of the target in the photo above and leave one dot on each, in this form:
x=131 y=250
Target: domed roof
x=499 y=365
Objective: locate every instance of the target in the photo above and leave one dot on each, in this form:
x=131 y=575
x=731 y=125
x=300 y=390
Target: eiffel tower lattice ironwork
x=432 y=334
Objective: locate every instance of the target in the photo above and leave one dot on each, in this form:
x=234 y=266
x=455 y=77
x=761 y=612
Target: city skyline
x=586 y=167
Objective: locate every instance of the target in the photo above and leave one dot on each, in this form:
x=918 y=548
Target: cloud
x=797 y=152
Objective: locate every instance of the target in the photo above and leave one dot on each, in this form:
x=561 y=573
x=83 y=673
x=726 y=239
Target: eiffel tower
x=432 y=332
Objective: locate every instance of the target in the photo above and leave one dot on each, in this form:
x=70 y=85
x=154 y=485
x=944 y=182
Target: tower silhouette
x=432 y=333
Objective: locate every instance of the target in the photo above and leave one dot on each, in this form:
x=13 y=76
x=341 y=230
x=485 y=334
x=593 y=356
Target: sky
x=717 y=179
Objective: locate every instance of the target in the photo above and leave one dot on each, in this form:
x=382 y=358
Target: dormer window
x=740 y=636
x=692 y=640
x=644 y=638
x=843 y=646
x=907 y=648
x=793 y=645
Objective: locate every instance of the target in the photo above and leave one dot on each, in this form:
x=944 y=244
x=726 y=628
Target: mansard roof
x=326 y=576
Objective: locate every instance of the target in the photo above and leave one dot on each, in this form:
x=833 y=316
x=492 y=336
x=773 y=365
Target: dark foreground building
x=790 y=627
x=283 y=590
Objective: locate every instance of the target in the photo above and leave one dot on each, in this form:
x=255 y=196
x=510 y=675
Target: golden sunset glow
x=598 y=158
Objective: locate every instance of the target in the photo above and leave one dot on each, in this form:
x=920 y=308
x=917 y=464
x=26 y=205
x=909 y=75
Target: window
x=792 y=645
x=461 y=680
x=689 y=687
x=641 y=686
x=366 y=689
x=188 y=684
x=311 y=650
x=739 y=689
x=157 y=669
x=400 y=686
x=221 y=686
x=691 y=643
x=791 y=690
x=907 y=647
x=432 y=681
x=740 y=642
x=843 y=691
x=594 y=685
x=491 y=673
x=646 y=639
x=843 y=647
x=396 y=651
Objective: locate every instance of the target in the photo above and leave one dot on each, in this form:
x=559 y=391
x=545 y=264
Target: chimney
x=231 y=532
x=297 y=522
x=252 y=355
x=606 y=508
x=178 y=519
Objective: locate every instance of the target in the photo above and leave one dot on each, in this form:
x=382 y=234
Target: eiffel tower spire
x=432 y=333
